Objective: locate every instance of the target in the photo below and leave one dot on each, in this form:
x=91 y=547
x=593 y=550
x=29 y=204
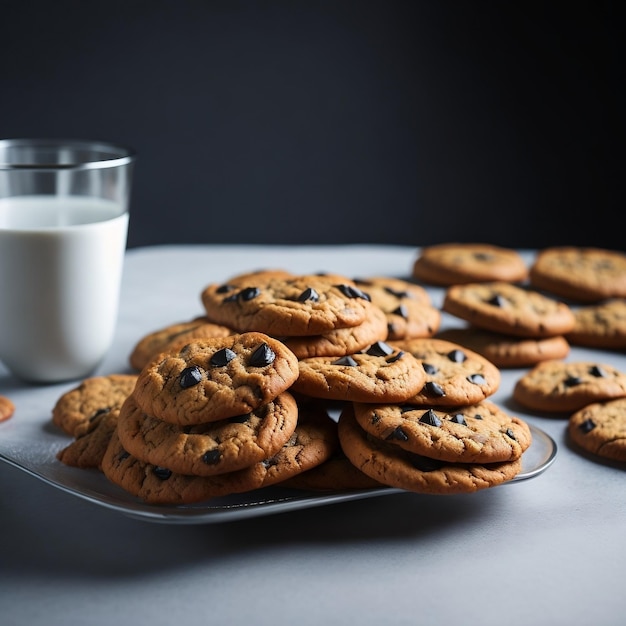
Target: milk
x=61 y=261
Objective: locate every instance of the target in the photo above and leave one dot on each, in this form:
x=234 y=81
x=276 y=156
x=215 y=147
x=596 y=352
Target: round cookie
x=211 y=448
x=213 y=379
x=343 y=340
x=394 y=466
x=379 y=374
x=162 y=339
x=600 y=325
x=454 y=375
x=91 y=441
x=91 y=398
x=299 y=305
x=459 y=263
x=557 y=386
x=313 y=442
x=7 y=408
x=506 y=351
x=479 y=433
x=600 y=428
x=408 y=307
x=508 y=309
x=580 y=274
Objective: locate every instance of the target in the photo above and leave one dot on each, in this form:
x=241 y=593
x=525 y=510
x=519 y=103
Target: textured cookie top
x=479 y=433
x=379 y=374
x=510 y=309
x=600 y=428
x=581 y=274
x=506 y=351
x=213 y=447
x=90 y=399
x=454 y=375
x=459 y=263
x=394 y=466
x=564 y=387
x=212 y=379
x=300 y=305
x=600 y=325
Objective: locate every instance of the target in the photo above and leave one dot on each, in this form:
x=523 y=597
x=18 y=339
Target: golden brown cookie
x=600 y=325
x=394 y=466
x=478 y=433
x=91 y=398
x=558 y=386
x=7 y=408
x=213 y=379
x=580 y=274
x=509 y=309
x=600 y=428
x=454 y=375
x=298 y=305
x=379 y=374
x=459 y=263
x=162 y=339
x=506 y=351
x=213 y=447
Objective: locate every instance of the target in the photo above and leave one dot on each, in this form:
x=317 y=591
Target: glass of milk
x=63 y=231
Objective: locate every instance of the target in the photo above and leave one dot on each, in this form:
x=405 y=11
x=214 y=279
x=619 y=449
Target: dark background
x=337 y=122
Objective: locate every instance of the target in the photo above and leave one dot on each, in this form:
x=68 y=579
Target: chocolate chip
x=587 y=426
x=352 y=292
x=401 y=311
x=225 y=288
x=380 y=348
x=425 y=464
x=309 y=294
x=457 y=356
x=162 y=472
x=345 y=360
x=597 y=371
x=458 y=418
x=190 y=376
x=572 y=381
x=262 y=356
x=398 y=434
x=239 y=419
x=222 y=357
x=497 y=300
x=509 y=433
x=99 y=412
x=249 y=293
x=430 y=418
x=433 y=389
x=483 y=256
x=430 y=369
x=477 y=379
x=212 y=457
x=394 y=357
x=398 y=294
x=123 y=455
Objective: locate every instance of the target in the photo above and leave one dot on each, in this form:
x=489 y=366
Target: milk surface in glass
x=61 y=261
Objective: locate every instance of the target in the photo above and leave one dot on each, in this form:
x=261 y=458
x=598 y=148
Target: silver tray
x=32 y=448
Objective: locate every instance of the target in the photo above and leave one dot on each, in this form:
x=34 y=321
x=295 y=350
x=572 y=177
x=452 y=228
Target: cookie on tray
x=341 y=341
x=213 y=447
x=394 y=466
x=213 y=379
x=478 y=433
x=509 y=309
x=381 y=373
x=580 y=274
x=91 y=398
x=459 y=263
x=454 y=375
x=559 y=386
x=298 y=305
x=508 y=351
x=91 y=441
x=162 y=339
x=408 y=307
x=313 y=442
x=600 y=428
x=601 y=325
x=7 y=408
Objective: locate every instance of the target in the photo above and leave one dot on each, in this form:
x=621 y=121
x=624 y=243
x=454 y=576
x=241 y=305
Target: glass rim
x=113 y=154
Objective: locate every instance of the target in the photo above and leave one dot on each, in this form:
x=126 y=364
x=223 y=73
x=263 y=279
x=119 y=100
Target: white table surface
x=549 y=550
